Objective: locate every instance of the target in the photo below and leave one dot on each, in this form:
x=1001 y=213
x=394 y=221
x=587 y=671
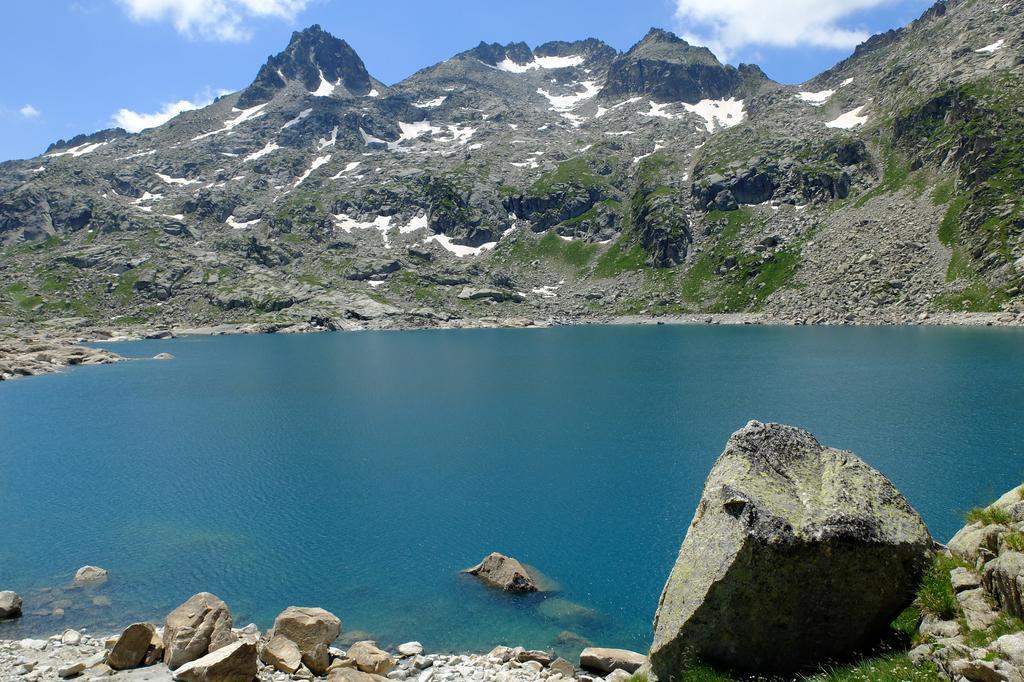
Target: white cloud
x=726 y=25
x=29 y=111
x=133 y=121
x=212 y=19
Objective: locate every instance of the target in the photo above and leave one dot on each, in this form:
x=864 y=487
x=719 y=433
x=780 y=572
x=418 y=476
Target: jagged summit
x=323 y=64
x=550 y=55
x=666 y=68
x=662 y=45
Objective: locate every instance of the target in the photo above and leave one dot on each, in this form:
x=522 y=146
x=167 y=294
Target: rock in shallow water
x=10 y=605
x=87 y=575
x=797 y=553
x=505 y=573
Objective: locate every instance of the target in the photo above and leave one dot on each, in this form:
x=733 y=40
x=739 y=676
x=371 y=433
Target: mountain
x=566 y=181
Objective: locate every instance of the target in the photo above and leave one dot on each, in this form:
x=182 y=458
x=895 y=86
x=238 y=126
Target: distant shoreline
x=47 y=350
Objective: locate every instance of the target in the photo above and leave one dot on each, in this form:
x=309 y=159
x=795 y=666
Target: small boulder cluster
x=976 y=631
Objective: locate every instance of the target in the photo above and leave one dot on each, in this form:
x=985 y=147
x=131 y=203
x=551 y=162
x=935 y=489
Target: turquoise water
x=361 y=471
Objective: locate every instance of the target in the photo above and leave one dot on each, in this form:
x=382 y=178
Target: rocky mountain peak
x=323 y=64
x=662 y=45
x=666 y=68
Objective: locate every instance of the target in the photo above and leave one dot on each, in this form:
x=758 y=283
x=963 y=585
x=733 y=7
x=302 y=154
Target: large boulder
x=131 y=647
x=232 y=663
x=505 y=573
x=313 y=630
x=797 y=553
x=609 y=660
x=199 y=626
x=10 y=605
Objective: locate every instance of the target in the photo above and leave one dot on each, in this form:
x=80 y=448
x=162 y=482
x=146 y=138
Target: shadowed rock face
x=666 y=68
x=797 y=553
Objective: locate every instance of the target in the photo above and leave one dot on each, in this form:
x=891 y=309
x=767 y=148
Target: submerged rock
x=797 y=553
x=505 y=573
x=199 y=626
x=87 y=575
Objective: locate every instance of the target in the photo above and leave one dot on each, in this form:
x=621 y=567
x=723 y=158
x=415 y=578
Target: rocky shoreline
x=47 y=351
x=197 y=643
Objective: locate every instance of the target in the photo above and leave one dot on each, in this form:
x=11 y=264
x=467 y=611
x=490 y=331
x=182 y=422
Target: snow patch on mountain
x=718 y=113
x=243 y=116
x=815 y=99
x=459 y=250
x=989 y=49
x=317 y=163
x=851 y=119
x=295 y=121
x=176 y=181
x=326 y=88
x=269 y=149
x=430 y=103
x=510 y=66
x=80 y=150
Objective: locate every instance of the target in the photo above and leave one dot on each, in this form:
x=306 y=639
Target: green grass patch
x=949 y=228
x=978 y=297
x=620 y=257
x=749 y=282
x=891 y=668
x=1006 y=625
x=988 y=516
x=311 y=280
x=23 y=297
x=1014 y=541
x=935 y=595
x=571 y=172
x=894 y=177
x=574 y=253
x=943 y=192
x=125 y=289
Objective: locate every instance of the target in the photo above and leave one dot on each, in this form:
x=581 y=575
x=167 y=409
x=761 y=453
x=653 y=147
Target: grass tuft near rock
x=988 y=516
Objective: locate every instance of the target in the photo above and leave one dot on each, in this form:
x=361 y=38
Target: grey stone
x=10 y=605
x=797 y=553
x=1004 y=579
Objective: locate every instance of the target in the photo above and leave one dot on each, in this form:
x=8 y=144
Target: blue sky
x=72 y=65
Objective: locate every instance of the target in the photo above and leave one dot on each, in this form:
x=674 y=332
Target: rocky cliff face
x=584 y=181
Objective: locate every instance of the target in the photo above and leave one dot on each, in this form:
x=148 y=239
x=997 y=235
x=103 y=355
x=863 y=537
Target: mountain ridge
x=563 y=181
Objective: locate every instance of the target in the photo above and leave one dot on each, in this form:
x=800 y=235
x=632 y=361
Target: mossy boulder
x=798 y=553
